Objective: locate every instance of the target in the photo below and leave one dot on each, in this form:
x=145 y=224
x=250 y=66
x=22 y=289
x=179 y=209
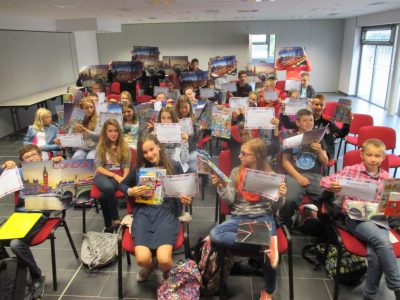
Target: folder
x=254 y=233
x=18 y=225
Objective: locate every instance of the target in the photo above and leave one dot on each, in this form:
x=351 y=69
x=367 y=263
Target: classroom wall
x=322 y=39
x=86 y=48
x=31 y=62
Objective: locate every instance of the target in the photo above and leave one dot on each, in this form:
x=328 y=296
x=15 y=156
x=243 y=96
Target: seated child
x=381 y=257
x=306 y=89
x=126 y=97
x=131 y=124
x=42 y=133
x=245 y=205
x=303 y=165
x=172 y=92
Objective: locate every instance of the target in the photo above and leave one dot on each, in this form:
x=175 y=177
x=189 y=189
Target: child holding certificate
x=155 y=227
x=90 y=130
x=381 y=258
x=112 y=166
x=248 y=206
x=131 y=125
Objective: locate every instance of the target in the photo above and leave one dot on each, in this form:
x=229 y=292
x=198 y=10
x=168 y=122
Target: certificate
x=305 y=138
x=292 y=85
x=104 y=116
x=294 y=105
x=229 y=86
x=270 y=95
x=183 y=184
x=168 y=133
x=263 y=183
x=362 y=189
x=74 y=140
x=10 y=182
x=238 y=102
x=159 y=89
x=207 y=93
x=259 y=118
x=187 y=126
x=158 y=105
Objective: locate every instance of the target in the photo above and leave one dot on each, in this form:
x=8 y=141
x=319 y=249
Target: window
x=262 y=48
x=378 y=35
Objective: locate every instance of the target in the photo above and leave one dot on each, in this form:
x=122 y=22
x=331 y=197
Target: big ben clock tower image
x=45 y=180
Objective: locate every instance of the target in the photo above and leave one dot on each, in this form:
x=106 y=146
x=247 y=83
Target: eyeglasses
x=29 y=157
x=244 y=154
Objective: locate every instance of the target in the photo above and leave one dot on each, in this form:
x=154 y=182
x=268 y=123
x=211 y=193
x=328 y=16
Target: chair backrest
x=386 y=134
x=360 y=120
x=143 y=99
x=329 y=109
x=133 y=158
x=235 y=134
x=225 y=165
x=280 y=85
x=115 y=88
x=353 y=157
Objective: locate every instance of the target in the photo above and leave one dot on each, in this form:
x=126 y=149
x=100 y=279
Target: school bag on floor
x=15 y=280
x=98 y=249
x=183 y=282
x=207 y=256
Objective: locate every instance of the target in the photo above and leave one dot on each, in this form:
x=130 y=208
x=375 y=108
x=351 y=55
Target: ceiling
x=164 y=11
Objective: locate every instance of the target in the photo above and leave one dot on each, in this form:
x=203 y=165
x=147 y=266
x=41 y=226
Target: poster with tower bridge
x=66 y=178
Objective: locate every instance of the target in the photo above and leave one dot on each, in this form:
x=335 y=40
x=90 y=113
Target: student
x=243 y=88
x=131 y=125
x=191 y=94
x=42 y=133
x=112 y=166
x=332 y=132
x=90 y=131
x=97 y=88
x=253 y=99
x=177 y=152
x=94 y=98
x=269 y=86
x=126 y=97
x=303 y=165
x=194 y=65
x=306 y=90
x=172 y=92
x=245 y=206
x=218 y=95
x=155 y=227
x=381 y=258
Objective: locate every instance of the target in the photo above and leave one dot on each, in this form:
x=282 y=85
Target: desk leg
x=15 y=120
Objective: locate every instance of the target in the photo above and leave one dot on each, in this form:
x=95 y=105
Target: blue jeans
x=84 y=154
x=380 y=255
x=224 y=235
x=108 y=186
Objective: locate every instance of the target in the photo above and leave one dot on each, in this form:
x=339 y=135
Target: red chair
x=388 y=136
x=127 y=244
x=280 y=85
x=283 y=235
x=48 y=232
x=143 y=99
x=359 y=120
x=115 y=88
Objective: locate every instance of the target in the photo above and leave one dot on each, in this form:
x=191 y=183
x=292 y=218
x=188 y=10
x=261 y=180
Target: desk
x=39 y=99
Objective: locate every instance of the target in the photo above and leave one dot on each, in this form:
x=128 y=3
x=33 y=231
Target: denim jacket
x=50 y=133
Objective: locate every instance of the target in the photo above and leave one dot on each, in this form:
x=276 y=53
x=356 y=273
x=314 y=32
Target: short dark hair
x=241 y=72
x=303 y=112
x=28 y=148
x=194 y=60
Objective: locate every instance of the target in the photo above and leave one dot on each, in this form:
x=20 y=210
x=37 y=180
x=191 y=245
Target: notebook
x=254 y=233
x=18 y=225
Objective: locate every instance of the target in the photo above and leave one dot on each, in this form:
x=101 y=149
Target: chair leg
x=335 y=166
x=338 y=151
x=345 y=147
x=394 y=174
x=53 y=262
x=128 y=258
x=216 y=208
x=338 y=265
x=71 y=241
x=290 y=261
x=120 y=292
x=221 y=263
x=203 y=185
x=84 y=218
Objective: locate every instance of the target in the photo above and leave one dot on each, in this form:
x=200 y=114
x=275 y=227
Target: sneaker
x=109 y=229
x=265 y=296
x=38 y=287
x=144 y=273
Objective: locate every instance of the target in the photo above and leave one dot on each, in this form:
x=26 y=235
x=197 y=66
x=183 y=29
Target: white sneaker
x=144 y=273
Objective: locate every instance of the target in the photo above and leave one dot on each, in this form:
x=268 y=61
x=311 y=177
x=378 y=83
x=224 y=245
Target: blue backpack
x=183 y=282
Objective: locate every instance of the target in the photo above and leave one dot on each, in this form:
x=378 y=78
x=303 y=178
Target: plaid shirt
x=357 y=172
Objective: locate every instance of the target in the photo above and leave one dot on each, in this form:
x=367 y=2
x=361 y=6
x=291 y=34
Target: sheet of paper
x=71 y=140
x=313 y=136
x=104 y=116
x=168 y=133
x=229 y=86
x=158 y=105
x=294 y=105
x=263 y=183
x=102 y=97
x=207 y=93
x=362 y=190
x=293 y=141
x=159 y=89
x=102 y=107
x=183 y=184
x=187 y=126
x=238 y=102
x=292 y=85
x=270 y=95
x=10 y=182
x=259 y=118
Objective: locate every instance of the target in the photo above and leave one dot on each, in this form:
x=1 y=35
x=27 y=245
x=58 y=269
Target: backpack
x=183 y=282
x=98 y=249
x=353 y=267
x=15 y=280
x=207 y=257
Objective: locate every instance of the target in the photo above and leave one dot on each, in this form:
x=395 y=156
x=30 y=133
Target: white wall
x=322 y=38
x=86 y=48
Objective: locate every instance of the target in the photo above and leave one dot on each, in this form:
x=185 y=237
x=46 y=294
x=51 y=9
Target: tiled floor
x=77 y=282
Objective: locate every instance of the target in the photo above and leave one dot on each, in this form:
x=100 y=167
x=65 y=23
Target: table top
x=36 y=98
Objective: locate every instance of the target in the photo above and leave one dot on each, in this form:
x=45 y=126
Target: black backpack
x=15 y=281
